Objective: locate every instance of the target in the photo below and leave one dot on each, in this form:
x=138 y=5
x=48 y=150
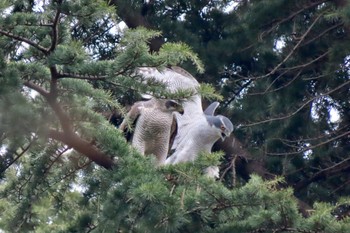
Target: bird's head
x=174 y=106
x=226 y=127
x=222 y=124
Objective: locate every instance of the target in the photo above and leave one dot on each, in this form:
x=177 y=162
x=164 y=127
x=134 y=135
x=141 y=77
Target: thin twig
x=289 y=17
x=294 y=48
x=55 y=27
x=80 y=76
x=299 y=109
x=336 y=168
x=24 y=150
x=37 y=88
x=25 y=40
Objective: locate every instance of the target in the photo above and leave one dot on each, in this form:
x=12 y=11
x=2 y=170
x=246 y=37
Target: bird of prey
x=205 y=130
x=153 y=122
x=197 y=130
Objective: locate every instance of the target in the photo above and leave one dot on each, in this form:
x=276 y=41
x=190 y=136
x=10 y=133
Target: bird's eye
x=170 y=104
x=222 y=127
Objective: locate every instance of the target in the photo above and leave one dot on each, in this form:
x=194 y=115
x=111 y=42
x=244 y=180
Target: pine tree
x=282 y=68
x=66 y=168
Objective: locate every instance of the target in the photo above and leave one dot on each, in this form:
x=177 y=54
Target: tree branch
x=37 y=88
x=24 y=150
x=291 y=16
x=319 y=35
x=80 y=76
x=55 y=27
x=300 y=108
x=134 y=18
x=311 y=147
x=293 y=49
x=25 y=40
x=267 y=90
x=68 y=136
x=336 y=168
x=236 y=93
x=298 y=45
x=245 y=163
x=82 y=146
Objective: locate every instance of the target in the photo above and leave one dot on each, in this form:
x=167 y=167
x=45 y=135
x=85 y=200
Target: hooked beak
x=224 y=134
x=181 y=110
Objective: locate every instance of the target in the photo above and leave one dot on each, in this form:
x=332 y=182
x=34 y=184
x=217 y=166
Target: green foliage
x=207 y=91
x=70 y=54
x=205 y=160
x=280 y=98
x=175 y=53
x=85 y=11
x=133 y=52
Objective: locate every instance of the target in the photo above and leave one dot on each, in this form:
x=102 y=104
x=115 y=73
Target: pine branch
x=82 y=146
x=288 y=142
x=267 y=90
x=237 y=93
x=232 y=166
x=293 y=49
x=37 y=88
x=319 y=35
x=68 y=136
x=69 y=174
x=342 y=166
x=134 y=18
x=55 y=27
x=53 y=83
x=310 y=147
x=25 y=40
x=80 y=76
x=50 y=98
x=304 y=65
x=289 y=17
x=286 y=70
x=299 y=109
x=63 y=118
x=52 y=162
x=344 y=184
x=96 y=33
x=298 y=45
x=24 y=150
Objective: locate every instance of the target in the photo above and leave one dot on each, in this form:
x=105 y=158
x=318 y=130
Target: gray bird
x=154 y=123
x=204 y=133
x=197 y=131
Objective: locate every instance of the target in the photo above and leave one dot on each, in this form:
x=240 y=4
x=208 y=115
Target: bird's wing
x=211 y=109
x=175 y=79
x=173 y=133
x=131 y=119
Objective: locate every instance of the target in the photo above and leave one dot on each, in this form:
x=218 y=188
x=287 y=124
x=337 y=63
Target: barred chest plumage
x=151 y=123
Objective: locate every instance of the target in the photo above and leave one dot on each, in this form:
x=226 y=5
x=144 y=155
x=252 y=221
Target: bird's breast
x=153 y=124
